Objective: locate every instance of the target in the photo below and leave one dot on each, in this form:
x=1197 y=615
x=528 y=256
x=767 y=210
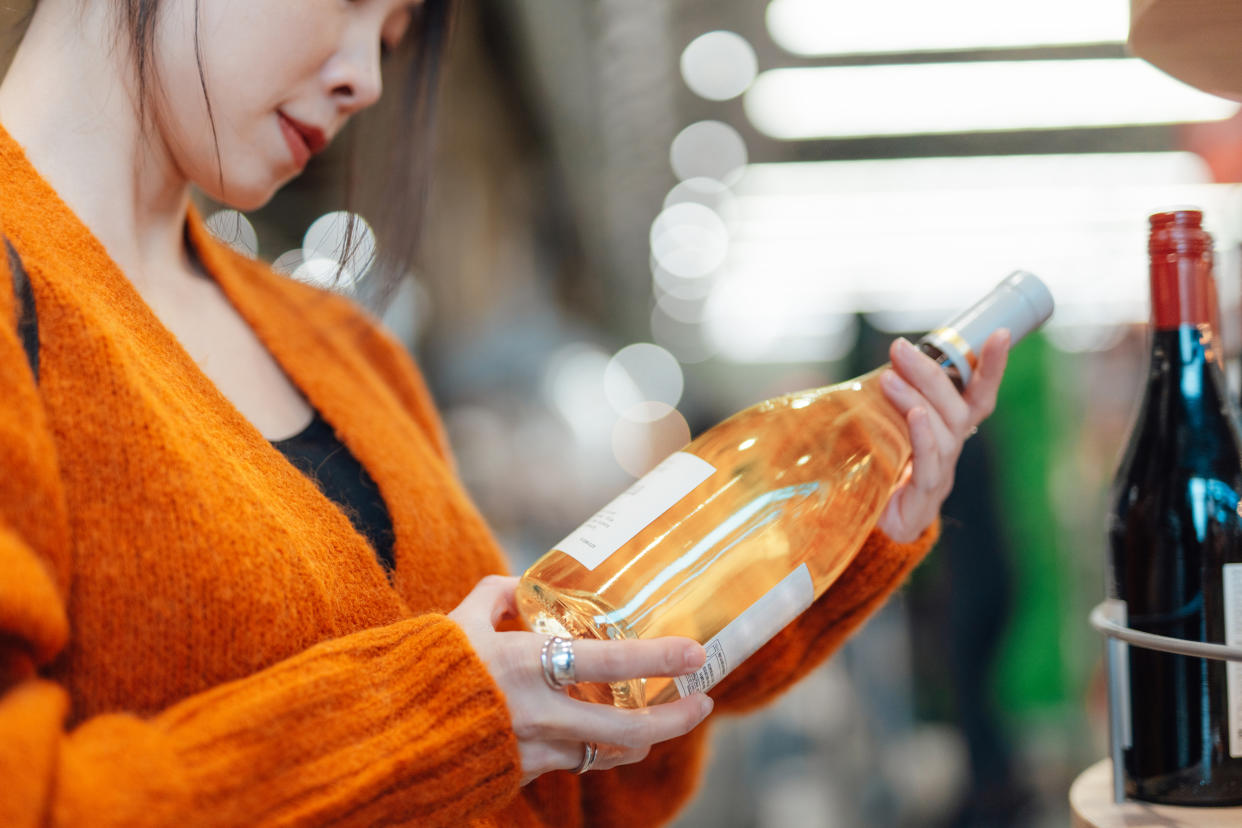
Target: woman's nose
x=354 y=79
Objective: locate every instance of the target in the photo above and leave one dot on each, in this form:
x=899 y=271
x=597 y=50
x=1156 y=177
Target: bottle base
x=1189 y=789
x=553 y=612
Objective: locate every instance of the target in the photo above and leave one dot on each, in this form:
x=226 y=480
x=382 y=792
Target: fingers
x=569 y=755
x=939 y=419
x=928 y=379
x=916 y=380
x=572 y=720
x=981 y=393
x=605 y=661
x=492 y=598
x=551 y=727
x=931 y=444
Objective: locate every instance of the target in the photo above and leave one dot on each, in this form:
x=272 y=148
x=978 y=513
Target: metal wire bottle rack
x=1106 y=618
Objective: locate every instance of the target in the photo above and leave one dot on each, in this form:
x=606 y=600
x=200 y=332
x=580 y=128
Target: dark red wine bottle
x=1175 y=538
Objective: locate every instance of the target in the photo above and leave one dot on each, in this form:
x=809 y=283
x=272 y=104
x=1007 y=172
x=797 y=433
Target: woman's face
x=283 y=77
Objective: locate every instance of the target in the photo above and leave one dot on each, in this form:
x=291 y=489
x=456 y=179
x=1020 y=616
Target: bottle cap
x=1183 y=289
x=1021 y=303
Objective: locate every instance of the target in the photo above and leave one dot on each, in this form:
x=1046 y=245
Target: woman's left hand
x=940 y=420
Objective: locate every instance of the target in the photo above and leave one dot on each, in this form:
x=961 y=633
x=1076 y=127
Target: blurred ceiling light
x=1052 y=171
x=708 y=149
x=689 y=240
x=343 y=237
x=911 y=241
x=824 y=27
x=718 y=65
x=235 y=230
x=753 y=320
x=978 y=96
x=642 y=373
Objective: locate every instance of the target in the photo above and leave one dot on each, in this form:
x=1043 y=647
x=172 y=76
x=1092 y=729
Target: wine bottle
x=1175 y=539
x=731 y=538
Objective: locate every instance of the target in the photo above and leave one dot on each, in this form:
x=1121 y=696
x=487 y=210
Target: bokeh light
x=235 y=230
x=689 y=240
x=289 y=261
x=640 y=373
x=669 y=283
x=709 y=192
x=408 y=311
x=344 y=237
x=573 y=386
x=719 y=65
x=324 y=273
x=682 y=338
x=646 y=434
x=708 y=149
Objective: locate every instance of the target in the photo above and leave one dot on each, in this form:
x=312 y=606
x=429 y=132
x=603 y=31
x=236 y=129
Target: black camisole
x=320 y=455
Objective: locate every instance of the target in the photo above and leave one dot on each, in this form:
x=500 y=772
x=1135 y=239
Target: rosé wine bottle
x=731 y=538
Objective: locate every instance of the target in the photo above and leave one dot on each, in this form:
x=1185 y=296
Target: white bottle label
x=1232 y=580
x=744 y=635
x=632 y=510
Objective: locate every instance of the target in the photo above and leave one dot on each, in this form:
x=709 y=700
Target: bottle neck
x=1186 y=377
x=952 y=354
x=1183 y=291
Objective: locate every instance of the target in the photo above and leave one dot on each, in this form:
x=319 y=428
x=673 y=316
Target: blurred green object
x=1031 y=671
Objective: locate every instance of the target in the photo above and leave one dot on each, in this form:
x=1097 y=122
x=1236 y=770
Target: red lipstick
x=304 y=140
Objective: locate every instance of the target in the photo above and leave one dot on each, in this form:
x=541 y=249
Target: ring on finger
x=557 y=659
x=590 y=751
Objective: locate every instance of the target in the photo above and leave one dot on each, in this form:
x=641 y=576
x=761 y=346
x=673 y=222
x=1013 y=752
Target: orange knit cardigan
x=192 y=634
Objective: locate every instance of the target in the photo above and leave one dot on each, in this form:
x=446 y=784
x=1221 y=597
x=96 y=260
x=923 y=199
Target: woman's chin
x=242 y=197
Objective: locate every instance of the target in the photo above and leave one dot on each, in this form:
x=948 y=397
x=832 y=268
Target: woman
x=191 y=629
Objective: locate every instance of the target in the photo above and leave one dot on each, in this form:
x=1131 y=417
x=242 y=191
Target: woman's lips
x=303 y=140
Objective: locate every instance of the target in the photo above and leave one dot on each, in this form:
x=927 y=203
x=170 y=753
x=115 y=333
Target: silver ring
x=589 y=752
x=557 y=658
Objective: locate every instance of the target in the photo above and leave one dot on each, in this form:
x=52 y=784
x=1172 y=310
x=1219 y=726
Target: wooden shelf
x=1092 y=806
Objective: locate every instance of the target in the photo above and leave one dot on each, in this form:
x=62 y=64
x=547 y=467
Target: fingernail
x=904 y=345
x=1005 y=337
x=890 y=379
x=696 y=656
x=706 y=705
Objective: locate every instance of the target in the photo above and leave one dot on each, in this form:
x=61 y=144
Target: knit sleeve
x=879 y=568
x=400 y=723
x=388 y=725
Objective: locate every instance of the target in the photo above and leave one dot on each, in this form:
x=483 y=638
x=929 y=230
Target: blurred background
x=647 y=214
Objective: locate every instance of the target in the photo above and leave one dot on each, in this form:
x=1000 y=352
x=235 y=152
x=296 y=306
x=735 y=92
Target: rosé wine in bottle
x=731 y=538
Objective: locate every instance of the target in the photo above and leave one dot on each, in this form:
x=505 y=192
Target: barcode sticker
x=744 y=635
x=632 y=510
x=1232 y=581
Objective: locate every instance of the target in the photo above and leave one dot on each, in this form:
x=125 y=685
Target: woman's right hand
x=552 y=729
